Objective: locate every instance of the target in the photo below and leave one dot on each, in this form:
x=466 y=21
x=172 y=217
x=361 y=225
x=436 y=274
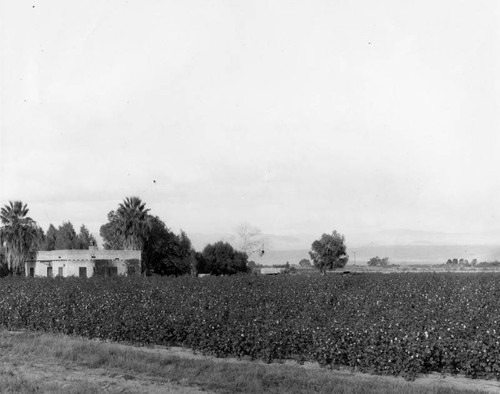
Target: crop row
x=400 y=324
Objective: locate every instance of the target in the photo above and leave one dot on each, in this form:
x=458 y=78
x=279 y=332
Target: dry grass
x=134 y=367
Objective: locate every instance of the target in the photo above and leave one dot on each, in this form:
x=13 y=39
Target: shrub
x=378 y=262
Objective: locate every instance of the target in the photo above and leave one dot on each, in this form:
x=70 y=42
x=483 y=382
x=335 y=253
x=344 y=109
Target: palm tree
x=132 y=223
x=18 y=235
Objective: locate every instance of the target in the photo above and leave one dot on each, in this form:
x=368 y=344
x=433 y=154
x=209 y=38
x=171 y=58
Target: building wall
x=69 y=268
x=271 y=271
x=70 y=261
x=72 y=268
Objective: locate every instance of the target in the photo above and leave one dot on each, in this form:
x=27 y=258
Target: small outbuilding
x=84 y=263
x=271 y=271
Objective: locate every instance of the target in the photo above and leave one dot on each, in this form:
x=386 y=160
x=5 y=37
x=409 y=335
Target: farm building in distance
x=84 y=263
x=271 y=271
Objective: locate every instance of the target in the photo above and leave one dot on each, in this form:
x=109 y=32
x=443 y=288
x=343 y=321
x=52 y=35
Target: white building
x=271 y=271
x=84 y=263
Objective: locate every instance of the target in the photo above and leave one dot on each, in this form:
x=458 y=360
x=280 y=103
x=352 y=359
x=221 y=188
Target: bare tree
x=250 y=239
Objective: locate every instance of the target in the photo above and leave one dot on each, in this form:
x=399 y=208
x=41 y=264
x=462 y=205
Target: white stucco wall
x=121 y=267
x=72 y=268
x=69 y=268
x=71 y=260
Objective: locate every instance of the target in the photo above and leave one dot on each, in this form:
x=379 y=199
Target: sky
x=298 y=117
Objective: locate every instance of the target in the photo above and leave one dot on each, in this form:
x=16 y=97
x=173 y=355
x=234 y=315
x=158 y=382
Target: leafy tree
x=378 y=262
x=252 y=265
x=329 y=252
x=18 y=235
x=40 y=237
x=110 y=233
x=84 y=238
x=201 y=264
x=66 y=237
x=132 y=223
x=221 y=258
x=305 y=263
x=163 y=252
x=50 y=238
x=166 y=253
x=4 y=270
x=180 y=258
x=290 y=270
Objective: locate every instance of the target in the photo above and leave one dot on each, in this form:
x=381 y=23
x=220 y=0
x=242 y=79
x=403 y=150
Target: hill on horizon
x=400 y=245
x=402 y=237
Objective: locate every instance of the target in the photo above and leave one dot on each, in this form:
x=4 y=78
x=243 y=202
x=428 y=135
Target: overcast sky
x=295 y=116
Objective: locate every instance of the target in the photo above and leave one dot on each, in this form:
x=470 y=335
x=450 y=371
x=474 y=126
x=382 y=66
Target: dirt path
x=52 y=376
x=434 y=379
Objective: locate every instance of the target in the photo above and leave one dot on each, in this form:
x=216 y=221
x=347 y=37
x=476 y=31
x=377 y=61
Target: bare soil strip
x=50 y=376
x=434 y=379
x=22 y=358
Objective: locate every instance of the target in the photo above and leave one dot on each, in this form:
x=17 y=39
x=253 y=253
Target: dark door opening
x=49 y=272
x=32 y=272
x=112 y=271
x=82 y=271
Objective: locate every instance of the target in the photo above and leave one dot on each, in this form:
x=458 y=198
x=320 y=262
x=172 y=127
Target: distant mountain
x=394 y=237
x=423 y=254
x=397 y=254
x=200 y=240
x=415 y=237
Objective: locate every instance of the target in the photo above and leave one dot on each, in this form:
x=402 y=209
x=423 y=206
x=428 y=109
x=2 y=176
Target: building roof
x=86 y=254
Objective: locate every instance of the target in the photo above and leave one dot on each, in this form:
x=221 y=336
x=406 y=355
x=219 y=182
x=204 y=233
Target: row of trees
x=132 y=227
x=65 y=237
x=463 y=262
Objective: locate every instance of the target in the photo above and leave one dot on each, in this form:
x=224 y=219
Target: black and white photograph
x=227 y=196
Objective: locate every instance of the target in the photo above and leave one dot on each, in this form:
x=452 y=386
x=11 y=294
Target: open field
x=52 y=363
x=414 y=268
x=400 y=324
x=399 y=269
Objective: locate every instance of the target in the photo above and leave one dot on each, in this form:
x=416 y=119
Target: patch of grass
x=218 y=376
x=12 y=382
